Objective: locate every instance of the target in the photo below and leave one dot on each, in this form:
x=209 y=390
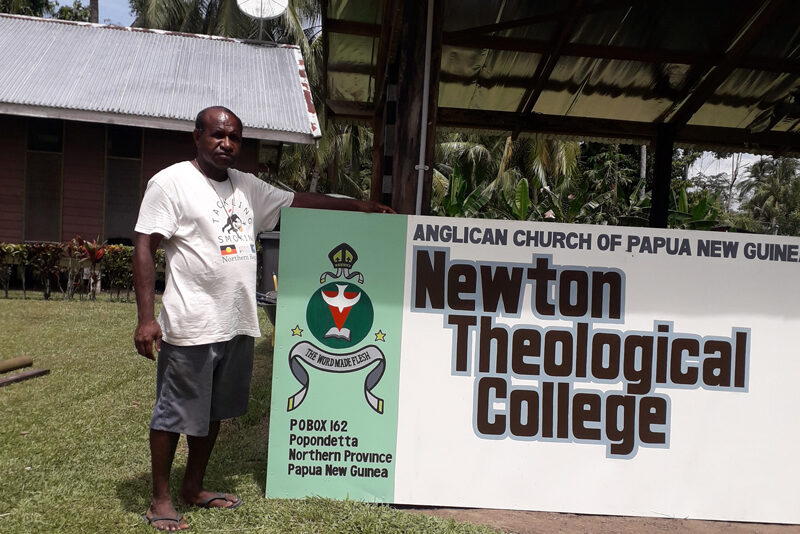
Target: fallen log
x=19 y=377
x=15 y=363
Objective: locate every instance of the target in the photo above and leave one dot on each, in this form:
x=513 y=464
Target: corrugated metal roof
x=151 y=78
x=723 y=72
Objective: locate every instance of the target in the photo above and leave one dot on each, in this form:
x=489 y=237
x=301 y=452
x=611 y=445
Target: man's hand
x=145 y=335
x=144 y=275
x=369 y=206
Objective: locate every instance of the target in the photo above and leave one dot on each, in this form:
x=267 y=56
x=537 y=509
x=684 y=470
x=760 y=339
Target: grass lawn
x=73 y=445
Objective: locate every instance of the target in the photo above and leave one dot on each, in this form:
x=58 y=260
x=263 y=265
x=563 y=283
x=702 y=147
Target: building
x=89 y=112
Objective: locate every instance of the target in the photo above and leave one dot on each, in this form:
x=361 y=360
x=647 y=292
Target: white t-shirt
x=209 y=229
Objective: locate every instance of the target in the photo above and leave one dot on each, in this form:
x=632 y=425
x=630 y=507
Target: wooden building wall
x=12 y=177
x=91 y=177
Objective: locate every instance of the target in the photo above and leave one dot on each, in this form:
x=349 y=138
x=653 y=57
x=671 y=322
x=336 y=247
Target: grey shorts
x=202 y=383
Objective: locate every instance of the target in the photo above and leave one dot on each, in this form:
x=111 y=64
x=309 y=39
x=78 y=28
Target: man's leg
x=162 y=452
x=230 y=393
x=192 y=491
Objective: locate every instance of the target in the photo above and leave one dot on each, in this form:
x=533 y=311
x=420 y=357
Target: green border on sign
x=339 y=438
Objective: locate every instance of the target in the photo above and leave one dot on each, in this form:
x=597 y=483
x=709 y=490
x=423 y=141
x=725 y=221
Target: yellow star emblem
x=380 y=335
x=297 y=331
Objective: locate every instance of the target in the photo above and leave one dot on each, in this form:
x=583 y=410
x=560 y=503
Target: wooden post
x=19 y=377
x=411 y=65
x=376 y=183
x=662 y=176
x=433 y=104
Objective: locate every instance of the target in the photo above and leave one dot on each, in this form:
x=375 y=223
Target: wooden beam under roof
x=544 y=17
x=349 y=27
x=391 y=16
x=326 y=47
x=595 y=51
x=546 y=65
x=635 y=131
x=623 y=53
x=741 y=44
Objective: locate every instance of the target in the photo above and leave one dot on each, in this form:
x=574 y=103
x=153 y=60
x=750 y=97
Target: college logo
x=339 y=315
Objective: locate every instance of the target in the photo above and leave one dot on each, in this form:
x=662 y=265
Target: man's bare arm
x=325 y=202
x=144 y=275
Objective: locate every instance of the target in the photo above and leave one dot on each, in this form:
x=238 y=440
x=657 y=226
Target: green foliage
x=44 y=8
x=703 y=213
x=118 y=270
x=461 y=200
x=52 y=262
x=161 y=260
x=45 y=260
x=93 y=252
x=74 y=254
x=522 y=201
x=31 y=8
x=6 y=265
x=74 y=446
x=771 y=195
x=17 y=254
x=77 y=12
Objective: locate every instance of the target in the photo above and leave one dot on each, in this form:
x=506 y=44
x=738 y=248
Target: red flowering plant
x=74 y=252
x=93 y=253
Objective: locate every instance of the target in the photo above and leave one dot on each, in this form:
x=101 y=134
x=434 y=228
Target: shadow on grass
x=240 y=451
x=134 y=493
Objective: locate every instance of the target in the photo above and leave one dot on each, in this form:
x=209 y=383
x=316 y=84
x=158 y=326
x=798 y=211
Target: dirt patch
x=518 y=522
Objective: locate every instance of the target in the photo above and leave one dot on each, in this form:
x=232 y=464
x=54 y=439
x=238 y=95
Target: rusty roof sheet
x=153 y=78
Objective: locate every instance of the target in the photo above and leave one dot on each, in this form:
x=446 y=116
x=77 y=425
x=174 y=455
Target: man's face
x=219 y=143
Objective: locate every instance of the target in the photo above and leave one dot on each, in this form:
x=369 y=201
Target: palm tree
x=341 y=158
x=501 y=177
x=771 y=194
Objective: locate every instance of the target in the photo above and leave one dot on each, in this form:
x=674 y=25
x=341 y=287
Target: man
x=207 y=216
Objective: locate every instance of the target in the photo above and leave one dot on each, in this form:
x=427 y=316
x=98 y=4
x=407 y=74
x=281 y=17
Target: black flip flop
x=177 y=519
x=217 y=496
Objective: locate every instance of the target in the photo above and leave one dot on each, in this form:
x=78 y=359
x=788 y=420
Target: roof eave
x=163 y=123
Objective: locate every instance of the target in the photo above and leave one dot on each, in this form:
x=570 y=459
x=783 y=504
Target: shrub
x=93 y=253
x=74 y=253
x=45 y=260
x=6 y=265
x=117 y=267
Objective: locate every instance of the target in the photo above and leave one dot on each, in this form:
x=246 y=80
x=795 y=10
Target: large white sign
x=567 y=368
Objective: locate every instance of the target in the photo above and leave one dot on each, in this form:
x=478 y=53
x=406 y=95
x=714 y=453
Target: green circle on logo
x=340 y=315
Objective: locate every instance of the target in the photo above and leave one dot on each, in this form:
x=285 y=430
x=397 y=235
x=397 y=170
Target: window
x=123 y=179
x=43 y=180
x=124 y=142
x=45 y=135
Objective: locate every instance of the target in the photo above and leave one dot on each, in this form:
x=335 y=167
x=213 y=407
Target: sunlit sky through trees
x=112 y=12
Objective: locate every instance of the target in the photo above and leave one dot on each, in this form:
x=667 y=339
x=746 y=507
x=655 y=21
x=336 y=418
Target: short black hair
x=199 y=121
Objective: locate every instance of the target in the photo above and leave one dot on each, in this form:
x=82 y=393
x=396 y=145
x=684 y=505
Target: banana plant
x=459 y=201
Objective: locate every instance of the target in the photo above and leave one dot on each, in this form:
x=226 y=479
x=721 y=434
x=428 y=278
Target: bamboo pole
x=15 y=363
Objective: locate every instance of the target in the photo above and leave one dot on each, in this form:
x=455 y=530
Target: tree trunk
x=333 y=172
x=355 y=158
x=94 y=11
x=735 y=161
x=642 y=170
x=507 y=150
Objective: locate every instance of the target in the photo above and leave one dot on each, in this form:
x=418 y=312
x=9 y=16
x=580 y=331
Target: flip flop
x=217 y=496
x=178 y=518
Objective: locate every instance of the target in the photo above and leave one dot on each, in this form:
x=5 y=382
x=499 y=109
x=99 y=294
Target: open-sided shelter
x=88 y=113
x=722 y=74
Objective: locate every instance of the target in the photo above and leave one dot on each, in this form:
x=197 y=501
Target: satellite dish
x=263 y=9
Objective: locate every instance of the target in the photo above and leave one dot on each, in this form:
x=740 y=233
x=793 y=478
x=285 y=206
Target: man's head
x=218 y=137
